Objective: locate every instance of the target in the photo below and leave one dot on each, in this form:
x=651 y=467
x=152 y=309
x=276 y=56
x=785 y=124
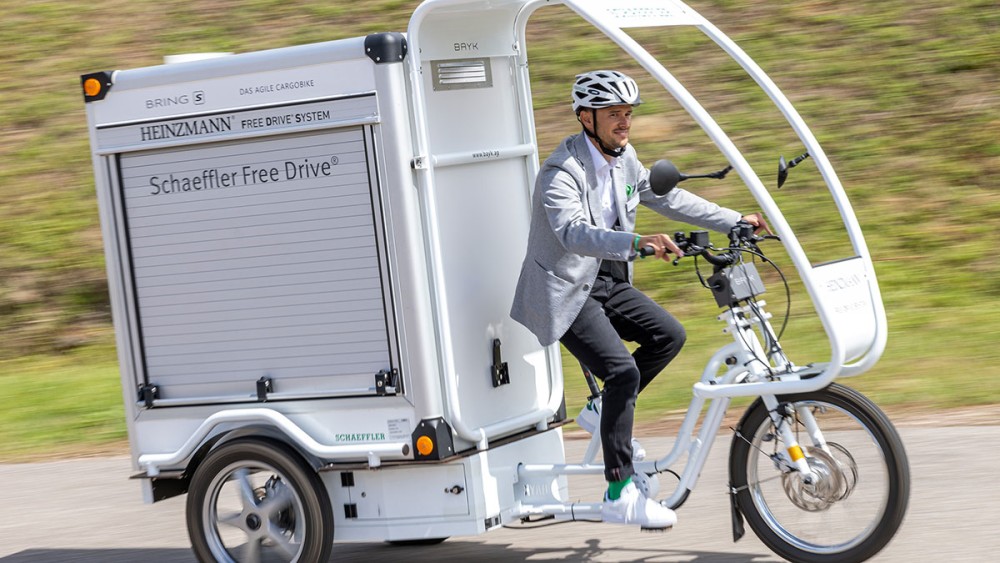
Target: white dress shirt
x=609 y=211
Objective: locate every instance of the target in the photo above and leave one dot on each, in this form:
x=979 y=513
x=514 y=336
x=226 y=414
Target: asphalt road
x=86 y=510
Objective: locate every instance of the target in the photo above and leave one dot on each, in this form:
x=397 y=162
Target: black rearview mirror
x=663 y=177
x=782 y=171
x=783 y=168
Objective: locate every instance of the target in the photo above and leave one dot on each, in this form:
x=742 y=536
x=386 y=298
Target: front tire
x=859 y=500
x=256 y=500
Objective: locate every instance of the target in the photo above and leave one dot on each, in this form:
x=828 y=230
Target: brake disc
x=834 y=480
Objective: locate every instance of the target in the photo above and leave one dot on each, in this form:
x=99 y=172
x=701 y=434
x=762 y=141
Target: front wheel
x=255 y=500
x=863 y=479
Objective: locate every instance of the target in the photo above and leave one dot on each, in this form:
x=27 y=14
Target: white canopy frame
x=845 y=293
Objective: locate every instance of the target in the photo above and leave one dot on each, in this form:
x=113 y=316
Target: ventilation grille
x=461 y=74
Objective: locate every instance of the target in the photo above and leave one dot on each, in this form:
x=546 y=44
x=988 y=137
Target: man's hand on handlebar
x=662 y=246
x=759 y=223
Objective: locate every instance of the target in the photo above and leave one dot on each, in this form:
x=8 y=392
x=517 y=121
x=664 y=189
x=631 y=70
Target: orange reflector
x=796 y=453
x=92 y=87
x=425 y=445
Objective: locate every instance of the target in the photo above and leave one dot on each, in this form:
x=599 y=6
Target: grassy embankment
x=903 y=96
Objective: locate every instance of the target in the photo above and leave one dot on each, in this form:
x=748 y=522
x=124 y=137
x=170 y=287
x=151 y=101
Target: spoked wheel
x=856 y=504
x=255 y=501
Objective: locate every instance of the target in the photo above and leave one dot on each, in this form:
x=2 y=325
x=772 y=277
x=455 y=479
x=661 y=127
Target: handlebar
x=697 y=244
x=740 y=236
x=721 y=260
x=735 y=281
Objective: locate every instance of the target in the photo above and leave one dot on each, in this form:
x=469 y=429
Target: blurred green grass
x=903 y=95
x=64 y=404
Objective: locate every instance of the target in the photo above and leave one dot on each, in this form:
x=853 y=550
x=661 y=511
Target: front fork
x=783 y=415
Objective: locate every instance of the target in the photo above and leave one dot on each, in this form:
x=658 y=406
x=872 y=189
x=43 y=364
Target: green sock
x=615 y=488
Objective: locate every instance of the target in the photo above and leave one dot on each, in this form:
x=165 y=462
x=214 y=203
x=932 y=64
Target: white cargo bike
x=316 y=349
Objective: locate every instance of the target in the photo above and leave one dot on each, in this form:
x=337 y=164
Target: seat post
x=595 y=389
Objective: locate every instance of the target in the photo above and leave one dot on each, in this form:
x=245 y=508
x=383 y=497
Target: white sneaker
x=634 y=508
x=590 y=420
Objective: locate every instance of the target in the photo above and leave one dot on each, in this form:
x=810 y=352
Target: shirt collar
x=598 y=157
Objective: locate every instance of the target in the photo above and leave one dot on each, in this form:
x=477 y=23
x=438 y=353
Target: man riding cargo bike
x=575 y=284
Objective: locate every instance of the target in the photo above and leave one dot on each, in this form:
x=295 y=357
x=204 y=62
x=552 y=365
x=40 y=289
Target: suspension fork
x=783 y=422
x=812 y=428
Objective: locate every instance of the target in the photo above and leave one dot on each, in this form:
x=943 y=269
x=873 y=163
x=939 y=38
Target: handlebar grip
x=646 y=251
x=724 y=259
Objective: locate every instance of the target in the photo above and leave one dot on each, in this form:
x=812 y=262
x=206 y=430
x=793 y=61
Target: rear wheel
x=862 y=489
x=256 y=501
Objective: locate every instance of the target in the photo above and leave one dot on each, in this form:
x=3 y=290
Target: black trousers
x=614 y=312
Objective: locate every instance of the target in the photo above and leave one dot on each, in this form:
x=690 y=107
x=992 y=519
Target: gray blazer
x=565 y=245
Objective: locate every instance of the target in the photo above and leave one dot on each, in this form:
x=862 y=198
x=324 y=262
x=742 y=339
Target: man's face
x=613 y=124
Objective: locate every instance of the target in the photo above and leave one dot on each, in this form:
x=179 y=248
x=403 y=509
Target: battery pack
x=735 y=284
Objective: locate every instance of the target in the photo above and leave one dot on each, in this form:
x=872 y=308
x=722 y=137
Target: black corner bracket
x=95 y=85
x=389 y=47
x=440 y=434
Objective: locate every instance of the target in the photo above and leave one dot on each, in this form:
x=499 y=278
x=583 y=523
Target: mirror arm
x=717 y=175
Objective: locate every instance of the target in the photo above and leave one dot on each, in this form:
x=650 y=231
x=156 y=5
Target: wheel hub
x=253 y=522
x=831 y=483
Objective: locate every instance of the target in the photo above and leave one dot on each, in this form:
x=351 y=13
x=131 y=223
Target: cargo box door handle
x=386 y=382
x=499 y=369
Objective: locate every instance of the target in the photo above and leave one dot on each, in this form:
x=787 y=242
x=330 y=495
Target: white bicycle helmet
x=604 y=88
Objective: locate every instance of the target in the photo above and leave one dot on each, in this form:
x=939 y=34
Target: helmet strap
x=604 y=148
